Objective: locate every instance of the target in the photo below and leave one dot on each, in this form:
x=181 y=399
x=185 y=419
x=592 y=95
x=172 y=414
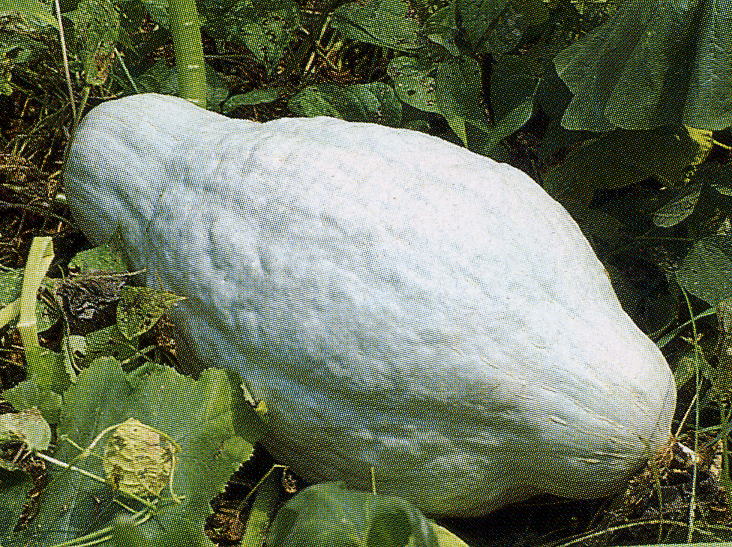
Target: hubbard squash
x=398 y=302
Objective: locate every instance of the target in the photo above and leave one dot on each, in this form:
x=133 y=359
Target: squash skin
x=398 y=301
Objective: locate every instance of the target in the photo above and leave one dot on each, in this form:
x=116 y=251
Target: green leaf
x=14 y=489
x=621 y=158
x=678 y=209
x=28 y=394
x=328 y=514
x=458 y=95
x=139 y=308
x=497 y=26
x=125 y=533
x=49 y=369
x=595 y=223
x=476 y=19
x=385 y=23
x=158 y=10
x=717 y=176
x=262 y=510
x=374 y=102
x=96 y=28
x=257 y=96
x=264 y=28
x=652 y=64
x=11 y=282
x=98 y=259
x=441 y=29
x=163 y=79
x=105 y=342
x=27 y=427
x=706 y=271
x=34 y=12
x=685 y=367
x=445 y=538
x=414 y=82
x=200 y=415
x=698 y=200
x=512 y=100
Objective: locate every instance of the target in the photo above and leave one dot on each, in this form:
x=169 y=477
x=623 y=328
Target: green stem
x=189 y=64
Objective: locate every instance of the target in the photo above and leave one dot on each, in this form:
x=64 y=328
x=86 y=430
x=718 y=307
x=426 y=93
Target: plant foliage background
x=620 y=109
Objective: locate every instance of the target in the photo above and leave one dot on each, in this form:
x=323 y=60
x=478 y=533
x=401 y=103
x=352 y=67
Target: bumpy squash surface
x=398 y=302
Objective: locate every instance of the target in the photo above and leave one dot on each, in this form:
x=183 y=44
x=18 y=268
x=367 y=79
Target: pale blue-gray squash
x=398 y=302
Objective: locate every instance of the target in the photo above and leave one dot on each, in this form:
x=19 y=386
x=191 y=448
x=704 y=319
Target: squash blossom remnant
x=138 y=459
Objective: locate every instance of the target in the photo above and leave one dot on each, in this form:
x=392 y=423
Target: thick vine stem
x=186 y=30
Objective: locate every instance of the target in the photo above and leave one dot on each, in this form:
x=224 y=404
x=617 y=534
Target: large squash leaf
x=328 y=514
x=653 y=63
x=198 y=414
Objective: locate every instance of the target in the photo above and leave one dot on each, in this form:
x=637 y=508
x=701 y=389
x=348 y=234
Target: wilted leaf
x=139 y=308
x=652 y=64
x=138 y=459
x=386 y=23
x=26 y=426
x=90 y=301
x=706 y=271
x=198 y=414
x=374 y=102
x=328 y=514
